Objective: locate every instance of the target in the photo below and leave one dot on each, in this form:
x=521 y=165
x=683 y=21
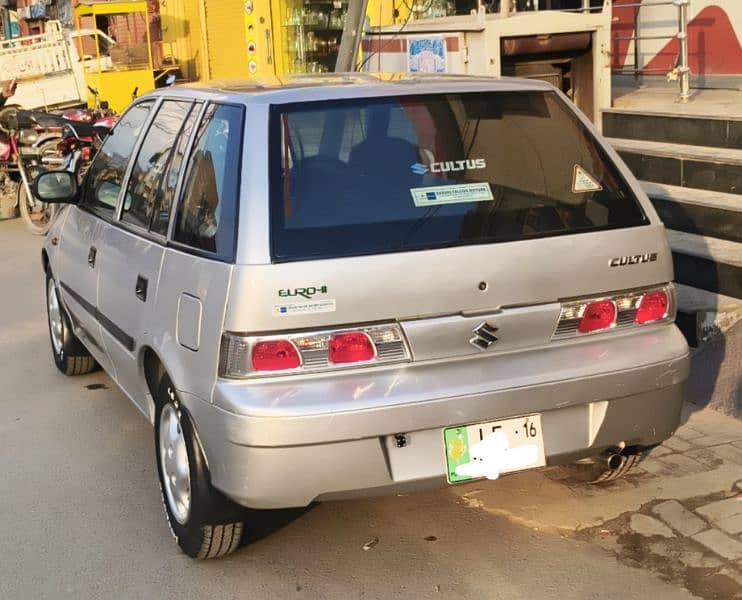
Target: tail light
x=254 y=356
x=275 y=355
x=652 y=307
x=618 y=311
x=598 y=316
x=353 y=347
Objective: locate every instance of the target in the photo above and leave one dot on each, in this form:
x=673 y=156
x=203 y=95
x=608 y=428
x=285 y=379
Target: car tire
x=70 y=355
x=204 y=523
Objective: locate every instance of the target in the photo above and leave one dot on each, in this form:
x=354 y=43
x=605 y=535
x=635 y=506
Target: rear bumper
x=286 y=443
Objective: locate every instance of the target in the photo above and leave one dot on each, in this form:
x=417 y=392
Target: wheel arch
x=153 y=369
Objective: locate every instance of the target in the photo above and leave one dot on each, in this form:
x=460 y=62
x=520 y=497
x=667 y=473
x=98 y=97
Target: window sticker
x=452 y=194
x=304 y=308
x=583 y=182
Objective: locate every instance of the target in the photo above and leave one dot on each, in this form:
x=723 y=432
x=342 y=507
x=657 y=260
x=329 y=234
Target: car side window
x=106 y=174
x=154 y=156
x=166 y=198
x=207 y=213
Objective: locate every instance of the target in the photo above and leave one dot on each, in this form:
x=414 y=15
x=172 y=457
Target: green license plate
x=486 y=450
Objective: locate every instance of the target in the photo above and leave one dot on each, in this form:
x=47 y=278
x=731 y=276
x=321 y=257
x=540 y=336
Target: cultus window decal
x=449 y=166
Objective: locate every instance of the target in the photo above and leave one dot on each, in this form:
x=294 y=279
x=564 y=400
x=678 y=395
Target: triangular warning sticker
x=582 y=181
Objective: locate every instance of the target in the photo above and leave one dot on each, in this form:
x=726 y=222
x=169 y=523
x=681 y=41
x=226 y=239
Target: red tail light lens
x=275 y=355
x=244 y=356
x=350 y=348
x=652 y=307
x=598 y=316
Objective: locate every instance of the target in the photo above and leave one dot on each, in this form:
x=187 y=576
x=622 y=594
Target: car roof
x=301 y=88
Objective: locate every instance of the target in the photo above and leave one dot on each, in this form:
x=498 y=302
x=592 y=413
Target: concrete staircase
x=691 y=168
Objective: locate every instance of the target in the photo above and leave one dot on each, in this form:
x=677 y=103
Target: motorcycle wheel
x=8 y=196
x=37 y=216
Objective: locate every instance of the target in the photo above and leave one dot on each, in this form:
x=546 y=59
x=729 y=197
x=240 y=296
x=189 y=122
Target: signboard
x=426 y=55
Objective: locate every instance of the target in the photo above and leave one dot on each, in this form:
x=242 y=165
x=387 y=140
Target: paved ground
x=80 y=515
x=664 y=98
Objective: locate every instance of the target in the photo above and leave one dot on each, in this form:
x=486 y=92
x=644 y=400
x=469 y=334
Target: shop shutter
x=225 y=34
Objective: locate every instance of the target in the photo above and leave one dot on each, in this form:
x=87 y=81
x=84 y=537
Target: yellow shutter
x=225 y=35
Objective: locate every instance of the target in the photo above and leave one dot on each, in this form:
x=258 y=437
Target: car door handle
x=92 y=254
x=141 y=288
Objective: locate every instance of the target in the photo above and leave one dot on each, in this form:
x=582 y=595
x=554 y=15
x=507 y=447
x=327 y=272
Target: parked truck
x=47 y=68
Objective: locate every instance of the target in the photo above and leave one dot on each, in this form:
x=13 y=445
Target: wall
x=714 y=34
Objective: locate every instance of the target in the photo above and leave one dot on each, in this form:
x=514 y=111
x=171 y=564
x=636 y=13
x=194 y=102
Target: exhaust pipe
x=613 y=459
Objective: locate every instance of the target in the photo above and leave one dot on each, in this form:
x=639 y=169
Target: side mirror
x=56 y=187
x=170 y=80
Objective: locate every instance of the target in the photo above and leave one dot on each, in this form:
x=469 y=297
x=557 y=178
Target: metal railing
x=682 y=69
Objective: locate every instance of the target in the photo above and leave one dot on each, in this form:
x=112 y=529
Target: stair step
x=692 y=300
x=719 y=251
x=714 y=169
x=701 y=212
x=707 y=263
x=697 y=130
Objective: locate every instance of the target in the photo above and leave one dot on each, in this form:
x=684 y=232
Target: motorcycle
x=98 y=113
x=28 y=146
x=80 y=142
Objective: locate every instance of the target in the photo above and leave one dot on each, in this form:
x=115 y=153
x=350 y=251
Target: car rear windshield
x=417 y=172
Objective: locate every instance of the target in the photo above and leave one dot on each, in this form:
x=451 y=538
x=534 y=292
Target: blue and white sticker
x=304 y=308
x=452 y=194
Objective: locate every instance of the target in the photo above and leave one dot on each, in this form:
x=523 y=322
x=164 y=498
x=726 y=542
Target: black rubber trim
x=119 y=334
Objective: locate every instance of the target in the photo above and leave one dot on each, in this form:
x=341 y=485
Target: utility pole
x=351 y=38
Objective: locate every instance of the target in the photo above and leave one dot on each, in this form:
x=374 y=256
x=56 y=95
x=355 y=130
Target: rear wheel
x=70 y=356
x=204 y=522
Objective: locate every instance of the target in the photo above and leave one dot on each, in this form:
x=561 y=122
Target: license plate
x=487 y=450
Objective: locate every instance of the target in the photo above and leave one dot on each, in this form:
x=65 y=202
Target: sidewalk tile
x=679 y=518
x=728 y=453
x=654 y=466
x=707 y=457
x=732 y=525
x=677 y=444
x=723 y=509
x=688 y=433
x=717 y=439
x=649 y=526
x=720 y=543
x=659 y=451
x=682 y=464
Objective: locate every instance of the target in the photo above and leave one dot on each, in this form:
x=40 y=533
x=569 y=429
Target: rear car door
x=130 y=267
x=197 y=266
x=82 y=244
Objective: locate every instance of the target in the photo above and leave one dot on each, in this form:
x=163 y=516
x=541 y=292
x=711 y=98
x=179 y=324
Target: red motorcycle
x=80 y=141
x=28 y=146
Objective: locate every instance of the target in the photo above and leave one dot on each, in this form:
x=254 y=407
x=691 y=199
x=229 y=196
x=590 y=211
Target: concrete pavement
x=80 y=513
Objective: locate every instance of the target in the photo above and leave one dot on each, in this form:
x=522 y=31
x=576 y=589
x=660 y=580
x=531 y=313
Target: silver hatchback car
x=347 y=285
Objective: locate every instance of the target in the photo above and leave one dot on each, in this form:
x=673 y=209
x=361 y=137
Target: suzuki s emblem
x=484 y=336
